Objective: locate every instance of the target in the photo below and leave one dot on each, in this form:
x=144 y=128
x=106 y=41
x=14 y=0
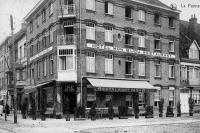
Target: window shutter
x=110 y=8
x=136 y=41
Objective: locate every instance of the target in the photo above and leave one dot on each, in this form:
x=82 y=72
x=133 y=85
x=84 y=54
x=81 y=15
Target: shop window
x=91 y=97
x=142 y=16
x=109 y=8
x=90 y=5
x=128 y=12
x=158 y=69
x=171 y=96
x=109 y=34
x=90 y=62
x=196 y=97
x=141 y=67
x=109 y=64
x=128 y=65
x=171 y=71
x=141 y=99
x=49 y=98
x=90 y=31
x=129 y=101
x=108 y=99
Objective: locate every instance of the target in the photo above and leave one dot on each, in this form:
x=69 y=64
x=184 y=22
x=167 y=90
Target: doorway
x=69 y=102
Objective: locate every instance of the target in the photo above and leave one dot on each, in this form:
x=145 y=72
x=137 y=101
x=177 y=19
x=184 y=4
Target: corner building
x=86 y=51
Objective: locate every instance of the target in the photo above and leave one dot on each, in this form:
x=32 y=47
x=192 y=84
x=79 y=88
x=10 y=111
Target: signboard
x=120 y=89
x=41 y=53
x=129 y=50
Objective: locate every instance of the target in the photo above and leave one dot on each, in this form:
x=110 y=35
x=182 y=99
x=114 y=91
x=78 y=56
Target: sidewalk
x=61 y=125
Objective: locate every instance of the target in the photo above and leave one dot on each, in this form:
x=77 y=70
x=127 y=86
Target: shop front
x=118 y=92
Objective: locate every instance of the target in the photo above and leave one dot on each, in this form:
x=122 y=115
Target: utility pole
x=13 y=67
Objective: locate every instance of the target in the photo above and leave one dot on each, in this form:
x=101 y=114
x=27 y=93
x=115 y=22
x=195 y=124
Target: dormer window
x=193 y=51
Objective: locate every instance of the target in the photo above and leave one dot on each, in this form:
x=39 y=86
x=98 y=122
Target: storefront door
x=69 y=102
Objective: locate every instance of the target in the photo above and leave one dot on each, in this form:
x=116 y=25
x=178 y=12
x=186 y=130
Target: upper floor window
x=128 y=65
x=31 y=26
x=171 y=71
x=157 y=44
x=141 y=67
x=90 y=31
x=128 y=13
x=45 y=67
x=193 y=53
x=90 y=62
x=51 y=63
x=157 y=19
x=193 y=73
x=50 y=9
x=31 y=50
x=128 y=36
x=109 y=34
x=109 y=8
x=171 y=22
x=44 y=15
x=51 y=34
x=142 y=40
x=109 y=64
x=142 y=16
x=157 y=69
x=90 y=5
x=38 y=69
x=171 y=46
x=183 y=73
x=37 y=20
x=66 y=59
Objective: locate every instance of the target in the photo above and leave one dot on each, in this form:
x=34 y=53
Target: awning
x=29 y=89
x=120 y=85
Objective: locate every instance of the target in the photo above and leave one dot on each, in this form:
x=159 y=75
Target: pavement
x=62 y=126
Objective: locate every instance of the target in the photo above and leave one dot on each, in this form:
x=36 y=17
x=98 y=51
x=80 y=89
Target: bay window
x=66 y=59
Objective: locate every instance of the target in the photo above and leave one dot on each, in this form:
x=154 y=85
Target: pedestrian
x=7 y=109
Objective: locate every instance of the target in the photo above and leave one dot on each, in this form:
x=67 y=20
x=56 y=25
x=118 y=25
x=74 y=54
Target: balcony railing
x=68 y=39
x=68 y=11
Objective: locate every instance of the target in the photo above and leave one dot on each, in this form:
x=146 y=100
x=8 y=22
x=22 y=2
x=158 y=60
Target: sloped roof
x=156 y=2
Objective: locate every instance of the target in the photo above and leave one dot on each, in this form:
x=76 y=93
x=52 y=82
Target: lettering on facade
x=128 y=50
x=119 y=89
x=41 y=53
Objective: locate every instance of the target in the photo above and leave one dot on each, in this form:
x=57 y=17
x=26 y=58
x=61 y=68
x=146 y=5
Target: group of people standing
x=4 y=109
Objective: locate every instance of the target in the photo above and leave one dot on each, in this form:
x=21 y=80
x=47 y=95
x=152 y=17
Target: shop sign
x=129 y=50
x=91 y=97
x=119 y=89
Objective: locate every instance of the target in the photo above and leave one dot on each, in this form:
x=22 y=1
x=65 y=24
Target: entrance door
x=69 y=102
x=184 y=102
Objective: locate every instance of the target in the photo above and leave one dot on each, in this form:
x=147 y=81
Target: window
x=129 y=101
x=171 y=96
x=128 y=36
x=196 y=96
x=51 y=64
x=157 y=19
x=109 y=8
x=171 y=71
x=45 y=67
x=31 y=26
x=158 y=69
x=38 y=69
x=108 y=99
x=157 y=96
x=38 y=46
x=20 y=53
x=128 y=65
x=141 y=68
x=109 y=64
x=193 y=53
x=90 y=62
x=142 y=40
x=183 y=73
x=141 y=15
x=157 y=45
x=90 y=5
x=171 y=22
x=50 y=9
x=44 y=41
x=90 y=31
x=128 y=12
x=67 y=59
x=37 y=20
x=51 y=34
x=171 y=46
x=44 y=15
x=141 y=99
x=31 y=50
x=109 y=34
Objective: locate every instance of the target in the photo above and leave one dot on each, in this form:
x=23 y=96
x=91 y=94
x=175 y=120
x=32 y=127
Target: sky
x=19 y=9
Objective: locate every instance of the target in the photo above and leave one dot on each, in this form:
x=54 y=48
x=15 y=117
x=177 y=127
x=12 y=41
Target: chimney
x=193 y=19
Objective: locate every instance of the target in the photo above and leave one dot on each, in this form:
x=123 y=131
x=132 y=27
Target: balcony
x=67 y=11
x=70 y=75
x=68 y=39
